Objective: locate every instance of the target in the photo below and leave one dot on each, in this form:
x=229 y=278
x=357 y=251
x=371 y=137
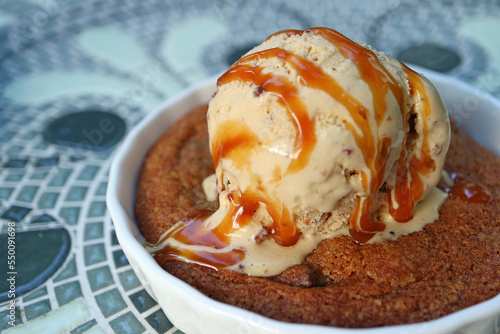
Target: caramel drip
x=191 y=232
x=288 y=96
x=205 y=258
x=234 y=140
x=374 y=148
x=409 y=187
x=467 y=190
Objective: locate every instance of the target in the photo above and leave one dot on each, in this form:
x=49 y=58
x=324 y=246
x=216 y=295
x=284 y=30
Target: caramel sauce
x=374 y=148
x=205 y=258
x=233 y=140
x=191 y=232
x=409 y=187
x=236 y=141
x=467 y=190
x=287 y=94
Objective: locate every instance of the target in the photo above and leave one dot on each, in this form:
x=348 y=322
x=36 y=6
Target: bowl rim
x=121 y=190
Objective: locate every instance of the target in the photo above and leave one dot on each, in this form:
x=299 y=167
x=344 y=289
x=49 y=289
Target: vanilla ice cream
x=315 y=136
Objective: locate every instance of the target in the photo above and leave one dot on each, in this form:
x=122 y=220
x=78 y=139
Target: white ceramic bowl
x=193 y=312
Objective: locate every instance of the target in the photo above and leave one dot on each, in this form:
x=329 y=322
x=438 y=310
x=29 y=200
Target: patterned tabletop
x=76 y=76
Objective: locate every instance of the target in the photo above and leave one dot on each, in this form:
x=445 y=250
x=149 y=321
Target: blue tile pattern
x=84 y=327
x=159 y=321
x=86 y=96
x=100 y=278
x=37 y=309
x=36 y=294
x=127 y=324
x=142 y=300
x=68 y=271
x=67 y=292
x=110 y=302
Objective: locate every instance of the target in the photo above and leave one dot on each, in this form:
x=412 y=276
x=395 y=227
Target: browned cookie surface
x=453 y=263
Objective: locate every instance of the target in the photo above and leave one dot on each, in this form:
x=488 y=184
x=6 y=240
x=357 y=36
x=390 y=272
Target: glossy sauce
x=409 y=186
x=287 y=94
x=236 y=142
x=467 y=190
x=190 y=232
x=233 y=140
x=374 y=148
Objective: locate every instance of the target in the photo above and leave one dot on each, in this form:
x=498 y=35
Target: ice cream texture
x=314 y=136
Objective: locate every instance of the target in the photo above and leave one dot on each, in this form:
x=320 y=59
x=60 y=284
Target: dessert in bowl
x=297 y=292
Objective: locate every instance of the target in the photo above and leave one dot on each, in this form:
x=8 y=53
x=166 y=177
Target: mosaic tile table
x=76 y=76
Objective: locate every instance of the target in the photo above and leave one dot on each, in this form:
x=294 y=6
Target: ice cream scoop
x=313 y=136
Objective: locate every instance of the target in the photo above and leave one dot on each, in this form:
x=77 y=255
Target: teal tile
x=15 y=213
x=101 y=190
x=35 y=294
x=84 y=327
x=142 y=300
x=127 y=324
x=5 y=136
x=93 y=231
x=97 y=209
x=159 y=321
x=41 y=146
x=43 y=218
x=100 y=278
x=5 y=192
x=30 y=135
x=68 y=271
x=48 y=200
x=47 y=162
x=178 y=332
x=15 y=177
x=15 y=162
x=14 y=150
x=70 y=215
x=27 y=193
x=94 y=254
x=88 y=173
x=76 y=193
x=104 y=156
x=39 y=175
x=68 y=292
x=110 y=302
x=37 y=309
x=60 y=177
x=114 y=239
x=8 y=315
x=27 y=119
x=129 y=279
x=119 y=258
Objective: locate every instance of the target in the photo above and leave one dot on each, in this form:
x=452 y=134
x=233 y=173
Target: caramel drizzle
x=409 y=187
x=236 y=141
x=288 y=96
x=379 y=80
x=467 y=190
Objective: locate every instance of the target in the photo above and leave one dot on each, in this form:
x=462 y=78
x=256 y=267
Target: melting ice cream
x=314 y=136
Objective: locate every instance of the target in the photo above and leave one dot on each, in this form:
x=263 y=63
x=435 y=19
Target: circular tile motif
x=41 y=255
x=431 y=56
x=86 y=130
x=413 y=30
